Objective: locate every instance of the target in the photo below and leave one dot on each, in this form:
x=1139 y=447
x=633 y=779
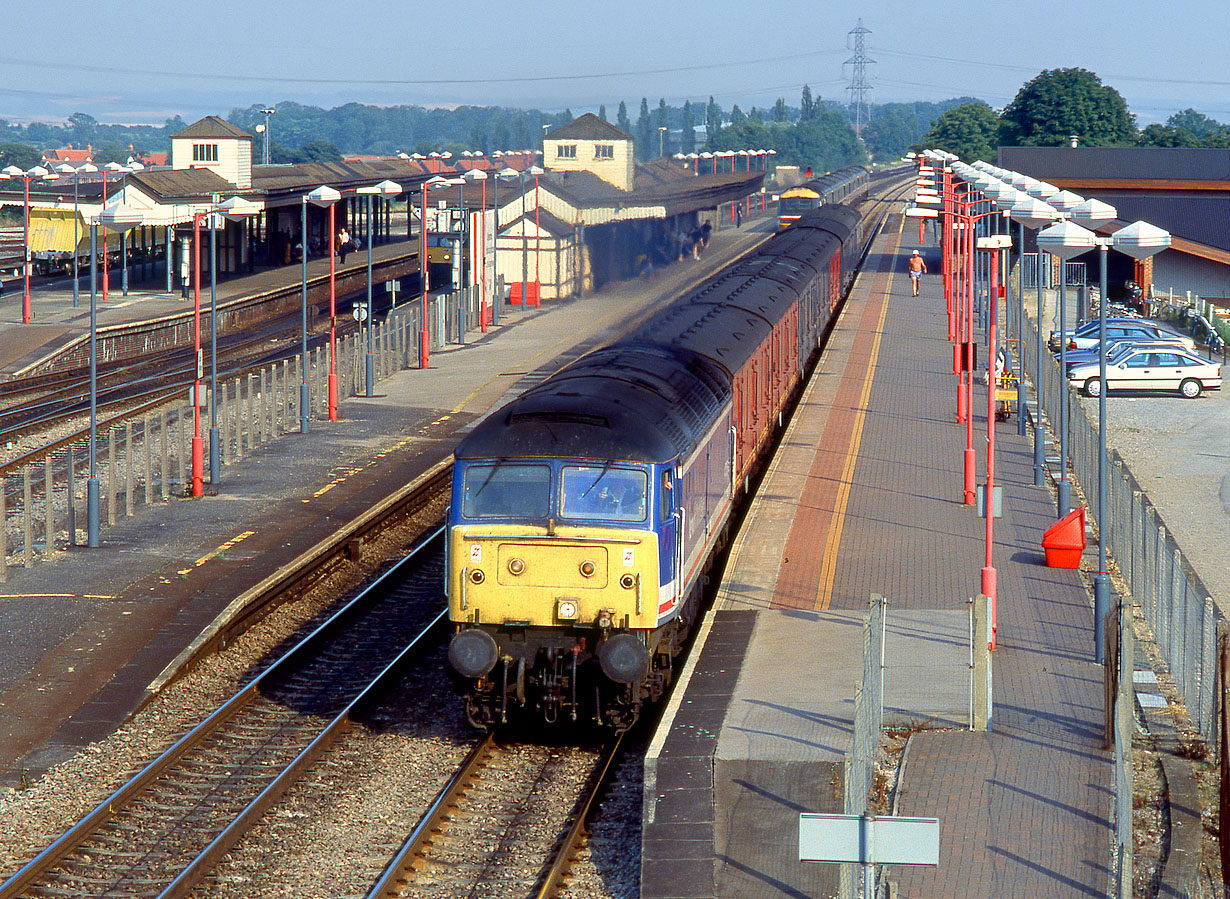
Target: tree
x=1059 y=103
x=779 y=111
x=602 y=112
x=891 y=131
x=713 y=120
x=825 y=142
x=23 y=156
x=643 y=126
x=663 y=122
x=1166 y=136
x=687 y=139
x=1197 y=123
x=969 y=130
x=806 y=106
x=736 y=115
x=621 y=120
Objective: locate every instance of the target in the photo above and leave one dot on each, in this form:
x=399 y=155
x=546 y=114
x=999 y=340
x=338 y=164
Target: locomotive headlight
x=588 y=568
x=516 y=566
x=627 y=582
x=477 y=576
x=566 y=609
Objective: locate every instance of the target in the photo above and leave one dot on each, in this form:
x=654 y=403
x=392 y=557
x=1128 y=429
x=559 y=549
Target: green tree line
x=1057 y=105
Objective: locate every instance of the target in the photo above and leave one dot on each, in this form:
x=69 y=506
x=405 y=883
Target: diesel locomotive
x=585 y=513
x=832 y=187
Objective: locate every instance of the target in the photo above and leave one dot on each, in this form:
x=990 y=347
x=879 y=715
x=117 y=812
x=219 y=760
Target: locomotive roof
x=632 y=401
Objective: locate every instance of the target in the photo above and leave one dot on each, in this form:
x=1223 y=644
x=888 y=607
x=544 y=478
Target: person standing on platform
x=343 y=244
x=917 y=268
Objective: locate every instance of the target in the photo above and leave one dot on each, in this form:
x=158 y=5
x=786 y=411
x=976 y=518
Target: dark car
x=1086 y=336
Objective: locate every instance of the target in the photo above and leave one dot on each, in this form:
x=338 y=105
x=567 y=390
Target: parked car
x=1115 y=352
x=1151 y=368
x=1086 y=336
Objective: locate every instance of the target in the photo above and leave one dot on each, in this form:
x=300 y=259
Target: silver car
x=1151 y=368
x=1086 y=337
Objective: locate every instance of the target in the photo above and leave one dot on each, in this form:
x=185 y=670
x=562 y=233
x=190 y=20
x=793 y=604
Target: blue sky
x=142 y=61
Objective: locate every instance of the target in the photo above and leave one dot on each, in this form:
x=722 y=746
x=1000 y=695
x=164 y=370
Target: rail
x=206 y=734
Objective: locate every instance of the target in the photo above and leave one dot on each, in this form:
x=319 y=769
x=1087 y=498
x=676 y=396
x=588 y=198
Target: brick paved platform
x=866 y=497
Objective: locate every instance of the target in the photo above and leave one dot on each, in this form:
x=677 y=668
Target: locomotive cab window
x=603 y=492
x=506 y=490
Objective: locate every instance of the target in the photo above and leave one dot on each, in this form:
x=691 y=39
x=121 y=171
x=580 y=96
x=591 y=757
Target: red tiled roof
x=68 y=154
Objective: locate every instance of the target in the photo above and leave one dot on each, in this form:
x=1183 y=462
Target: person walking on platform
x=917 y=269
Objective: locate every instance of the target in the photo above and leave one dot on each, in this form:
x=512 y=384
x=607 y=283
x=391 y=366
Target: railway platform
x=55 y=321
x=865 y=497
x=86 y=636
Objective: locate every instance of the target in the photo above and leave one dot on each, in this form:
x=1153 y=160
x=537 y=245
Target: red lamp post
x=963 y=220
x=34 y=174
x=198 y=441
x=326 y=196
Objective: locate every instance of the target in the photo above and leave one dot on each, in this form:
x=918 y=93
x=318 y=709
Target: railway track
x=162 y=832
x=508 y=823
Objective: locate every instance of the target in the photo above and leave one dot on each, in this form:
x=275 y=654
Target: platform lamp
x=424 y=335
x=325 y=196
x=481 y=268
x=1092 y=214
x=1006 y=201
x=1030 y=212
x=33 y=174
x=1064 y=202
x=119 y=219
x=1064 y=240
x=130 y=168
x=385 y=188
x=235 y=209
x=992 y=245
x=75 y=173
x=1139 y=240
x=304 y=390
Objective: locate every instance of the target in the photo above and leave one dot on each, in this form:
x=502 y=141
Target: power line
x=60 y=65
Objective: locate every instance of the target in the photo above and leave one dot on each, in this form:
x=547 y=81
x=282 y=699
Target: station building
x=1184 y=190
x=588 y=216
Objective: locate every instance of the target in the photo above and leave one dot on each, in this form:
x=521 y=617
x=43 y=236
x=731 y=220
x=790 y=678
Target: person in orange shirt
x=917 y=268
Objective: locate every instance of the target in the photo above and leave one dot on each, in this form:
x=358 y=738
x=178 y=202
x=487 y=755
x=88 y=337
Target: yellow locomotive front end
x=554 y=589
x=565 y=576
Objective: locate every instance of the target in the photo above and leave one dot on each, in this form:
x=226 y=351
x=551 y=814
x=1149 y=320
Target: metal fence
x=868 y=721
x=146 y=459
x=1161 y=581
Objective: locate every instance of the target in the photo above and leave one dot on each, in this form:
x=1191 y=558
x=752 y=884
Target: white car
x=1151 y=368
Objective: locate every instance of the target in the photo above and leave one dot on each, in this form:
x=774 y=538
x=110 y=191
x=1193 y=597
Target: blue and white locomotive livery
x=586 y=512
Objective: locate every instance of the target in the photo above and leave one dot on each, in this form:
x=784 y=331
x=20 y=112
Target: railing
x=147 y=459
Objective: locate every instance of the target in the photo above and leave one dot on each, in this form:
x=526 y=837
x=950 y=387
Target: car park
x=1151 y=368
x=1087 y=335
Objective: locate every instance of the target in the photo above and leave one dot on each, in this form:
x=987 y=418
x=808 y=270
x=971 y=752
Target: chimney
x=1074 y=141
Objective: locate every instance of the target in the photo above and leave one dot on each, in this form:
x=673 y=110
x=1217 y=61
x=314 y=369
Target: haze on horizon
x=146 y=62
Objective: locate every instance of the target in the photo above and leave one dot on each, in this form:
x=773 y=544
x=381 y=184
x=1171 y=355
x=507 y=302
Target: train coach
x=585 y=513
x=841 y=186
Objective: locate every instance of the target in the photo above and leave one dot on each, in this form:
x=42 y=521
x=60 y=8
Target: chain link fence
x=868 y=722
